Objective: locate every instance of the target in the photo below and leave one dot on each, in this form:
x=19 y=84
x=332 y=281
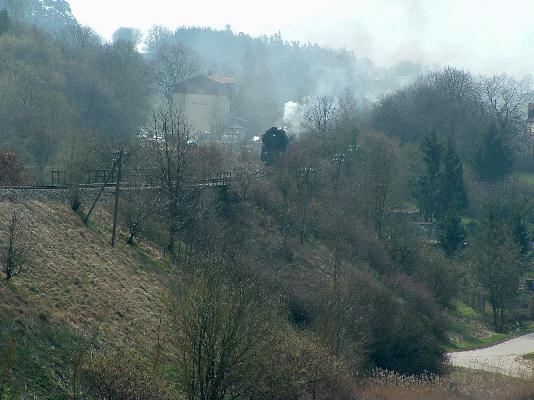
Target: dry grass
x=78 y=280
x=459 y=385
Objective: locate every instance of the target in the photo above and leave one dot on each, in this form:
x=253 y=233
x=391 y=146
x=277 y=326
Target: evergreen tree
x=452 y=192
x=5 y=22
x=428 y=186
x=493 y=159
x=452 y=234
x=441 y=186
x=516 y=219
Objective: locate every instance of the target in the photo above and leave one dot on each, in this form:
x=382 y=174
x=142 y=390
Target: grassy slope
x=526 y=177
x=467 y=331
x=77 y=282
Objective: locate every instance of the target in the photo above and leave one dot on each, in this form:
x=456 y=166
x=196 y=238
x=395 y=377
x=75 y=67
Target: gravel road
x=504 y=358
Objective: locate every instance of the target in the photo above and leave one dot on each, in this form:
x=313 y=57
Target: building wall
x=206 y=112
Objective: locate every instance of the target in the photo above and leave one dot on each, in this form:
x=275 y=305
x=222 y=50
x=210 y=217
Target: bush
x=405 y=329
x=119 y=375
x=11 y=171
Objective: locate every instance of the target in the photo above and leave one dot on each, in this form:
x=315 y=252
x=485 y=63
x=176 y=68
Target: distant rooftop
x=222 y=79
x=206 y=84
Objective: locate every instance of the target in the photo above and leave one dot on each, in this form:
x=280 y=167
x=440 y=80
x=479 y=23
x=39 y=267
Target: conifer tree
x=452 y=192
x=441 y=186
x=428 y=186
x=452 y=234
x=493 y=158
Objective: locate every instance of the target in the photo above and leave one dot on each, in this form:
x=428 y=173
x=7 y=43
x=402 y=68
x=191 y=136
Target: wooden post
x=86 y=219
x=117 y=191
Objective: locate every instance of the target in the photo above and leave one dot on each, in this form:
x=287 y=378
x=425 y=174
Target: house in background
x=205 y=100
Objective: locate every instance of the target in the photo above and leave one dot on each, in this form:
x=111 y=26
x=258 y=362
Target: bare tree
x=380 y=166
x=15 y=253
x=172 y=64
x=505 y=99
x=346 y=113
x=135 y=209
x=222 y=330
x=319 y=115
x=168 y=144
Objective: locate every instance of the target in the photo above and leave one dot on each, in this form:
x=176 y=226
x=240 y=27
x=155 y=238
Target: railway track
x=208 y=182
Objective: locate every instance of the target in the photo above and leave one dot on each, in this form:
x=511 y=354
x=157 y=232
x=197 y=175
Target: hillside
x=77 y=283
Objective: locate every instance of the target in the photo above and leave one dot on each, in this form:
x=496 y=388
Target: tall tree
x=127 y=34
x=168 y=144
x=441 y=186
x=380 y=178
x=452 y=234
x=428 y=185
x=5 y=21
x=493 y=158
x=497 y=264
x=452 y=192
x=171 y=64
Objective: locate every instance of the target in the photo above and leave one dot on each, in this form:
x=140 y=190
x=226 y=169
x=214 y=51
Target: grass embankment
x=76 y=283
x=467 y=330
x=526 y=177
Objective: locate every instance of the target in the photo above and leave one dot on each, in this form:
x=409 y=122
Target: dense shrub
x=11 y=170
x=120 y=375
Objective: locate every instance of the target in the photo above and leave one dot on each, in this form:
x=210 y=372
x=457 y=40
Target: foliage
x=452 y=233
x=381 y=178
x=441 y=185
x=406 y=338
x=52 y=15
x=11 y=171
x=221 y=331
x=119 y=375
x=498 y=265
x=68 y=91
x=129 y=35
x=492 y=159
x=5 y=21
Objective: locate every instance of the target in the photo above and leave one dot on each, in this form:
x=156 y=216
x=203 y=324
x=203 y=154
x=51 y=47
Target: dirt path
x=504 y=358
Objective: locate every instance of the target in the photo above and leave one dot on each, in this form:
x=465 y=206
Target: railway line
x=219 y=180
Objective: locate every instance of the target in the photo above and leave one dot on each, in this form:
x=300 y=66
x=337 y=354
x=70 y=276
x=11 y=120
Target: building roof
x=222 y=79
x=204 y=84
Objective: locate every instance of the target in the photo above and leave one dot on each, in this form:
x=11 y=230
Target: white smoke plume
x=292 y=117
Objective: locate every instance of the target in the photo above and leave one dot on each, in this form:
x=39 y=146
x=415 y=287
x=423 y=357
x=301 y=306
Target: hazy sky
x=483 y=36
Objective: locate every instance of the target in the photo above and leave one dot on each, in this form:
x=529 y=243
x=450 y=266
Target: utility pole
x=306 y=198
x=339 y=158
x=117 y=191
x=86 y=219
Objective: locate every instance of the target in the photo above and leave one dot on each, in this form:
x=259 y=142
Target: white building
x=205 y=100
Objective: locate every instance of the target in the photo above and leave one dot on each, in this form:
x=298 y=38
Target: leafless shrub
x=222 y=330
x=113 y=375
x=16 y=249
